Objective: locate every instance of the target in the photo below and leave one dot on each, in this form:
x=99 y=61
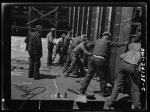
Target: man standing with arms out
x=50 y=45
x=78 y=50
x=97 y=62
x=130 y=69
x=35 y=52
x=65 y=46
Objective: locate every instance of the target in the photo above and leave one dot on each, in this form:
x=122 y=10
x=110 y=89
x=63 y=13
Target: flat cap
x=52 y=29
x=63 y=35
x=106 y=33
x=38 y=27
x=84 y=38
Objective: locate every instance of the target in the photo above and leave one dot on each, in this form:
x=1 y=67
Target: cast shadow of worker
x=46 y=76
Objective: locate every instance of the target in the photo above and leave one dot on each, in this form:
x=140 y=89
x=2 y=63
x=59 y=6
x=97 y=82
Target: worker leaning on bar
x=130 y=68
x=75 y=57
x=34 y=48
x=98 y=61
x=65 y=46
x=74 y=43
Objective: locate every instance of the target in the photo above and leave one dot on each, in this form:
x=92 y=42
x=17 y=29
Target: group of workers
x=72 y=50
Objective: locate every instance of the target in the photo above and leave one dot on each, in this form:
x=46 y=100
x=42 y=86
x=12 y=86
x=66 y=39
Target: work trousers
x=34 y=66
x=49 y=58
x=63 y=55
x=75 y=61
x=127 y=71
x=57 y=50
x=96 y=65
x=85 y=60
x=67 y=64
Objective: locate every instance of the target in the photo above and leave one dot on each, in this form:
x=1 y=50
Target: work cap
x=106 y=33
x=52 y=29
x=38 y=27
x=84 y=38
x=63 y=35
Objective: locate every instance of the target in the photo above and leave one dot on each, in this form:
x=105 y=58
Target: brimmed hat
x=106 y=33
x=38 y=27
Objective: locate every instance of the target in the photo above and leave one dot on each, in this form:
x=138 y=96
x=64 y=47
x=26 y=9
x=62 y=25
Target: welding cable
x=32 y=96
x=27 y=93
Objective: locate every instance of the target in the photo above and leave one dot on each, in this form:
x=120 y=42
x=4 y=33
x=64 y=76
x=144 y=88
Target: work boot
x=90 y=96
x=104 y=94
x=66 y=75
x=37 y=77
x=110 y=105
x=30 y=76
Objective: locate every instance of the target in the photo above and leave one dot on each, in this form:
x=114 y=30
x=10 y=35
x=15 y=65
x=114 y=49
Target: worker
x=130 y=69
x=35 y=52
x=75 y=56
x=59 y=44
x=50 y=45
x=74 y=43
x=97 y=63
x=65 y=46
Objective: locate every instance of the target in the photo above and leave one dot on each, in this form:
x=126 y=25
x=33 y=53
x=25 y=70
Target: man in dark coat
x=34 y=48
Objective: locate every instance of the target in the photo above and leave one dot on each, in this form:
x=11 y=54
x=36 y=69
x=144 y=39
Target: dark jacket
x=103 y=45
x=34 y=44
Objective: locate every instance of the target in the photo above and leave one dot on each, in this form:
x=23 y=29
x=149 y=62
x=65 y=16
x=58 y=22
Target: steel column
x=73 y=19
x=124 y=32
x=100 y=22
x=82 y=21
x=69 y=15
x=56 y=21
x=96 y=23
x=78 y=20
x=109 y=19
x=87 y=20
x=29 y=18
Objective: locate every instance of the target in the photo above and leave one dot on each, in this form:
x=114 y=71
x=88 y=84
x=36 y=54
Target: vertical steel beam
x=69 y=14
x=87 y=20
x=78 y=19
x=97 y=10
x=56 y=21
x=82 y=21
x=109 y=19
x=73 y=19
x=100 y=21
x=124 y=32
x=29 y=18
